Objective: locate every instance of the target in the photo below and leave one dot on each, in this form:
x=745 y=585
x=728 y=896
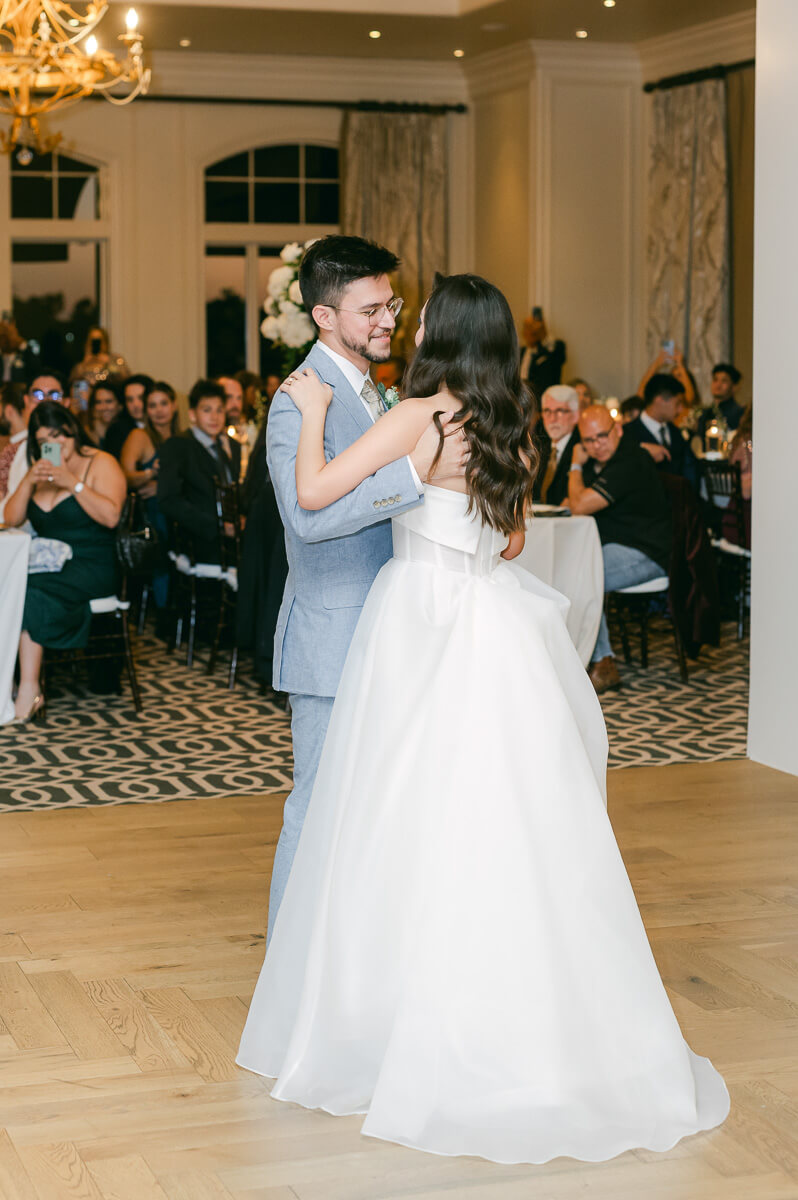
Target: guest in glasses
x=78 y=501
x=614 y=480
x=191 y=463
x=656 y=429
x=559 y=408
x=47 y=385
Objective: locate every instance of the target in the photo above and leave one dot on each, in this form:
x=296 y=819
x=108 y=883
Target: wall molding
x=730 y=39
x=302 y=77
x=500 y=70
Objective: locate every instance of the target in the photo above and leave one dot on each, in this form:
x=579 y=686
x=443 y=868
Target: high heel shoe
x=34 y=713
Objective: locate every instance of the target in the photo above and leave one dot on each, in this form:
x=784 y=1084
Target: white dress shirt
x=659 y=429
x=559 y=447
x=356 y=378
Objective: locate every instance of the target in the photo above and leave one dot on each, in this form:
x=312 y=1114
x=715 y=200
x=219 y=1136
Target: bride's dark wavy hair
x=471 y=346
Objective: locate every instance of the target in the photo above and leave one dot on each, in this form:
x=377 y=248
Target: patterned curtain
x=394 y=179
x=688 y=226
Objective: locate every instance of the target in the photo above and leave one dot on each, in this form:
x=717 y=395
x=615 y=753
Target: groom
x=335 y=553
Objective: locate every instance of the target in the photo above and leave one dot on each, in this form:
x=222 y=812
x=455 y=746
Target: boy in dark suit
x=656 y=432
x=191 y=463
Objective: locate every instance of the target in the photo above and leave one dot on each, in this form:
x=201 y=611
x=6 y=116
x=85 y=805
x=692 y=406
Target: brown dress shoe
x=604 y=675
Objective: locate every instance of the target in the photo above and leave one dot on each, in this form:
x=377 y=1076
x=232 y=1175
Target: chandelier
x=49 y=58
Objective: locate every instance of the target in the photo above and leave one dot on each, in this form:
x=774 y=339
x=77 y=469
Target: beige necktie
x=370 y=394
x=551 y=470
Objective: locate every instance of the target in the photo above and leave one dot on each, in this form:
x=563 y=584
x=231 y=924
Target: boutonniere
x=390 y=396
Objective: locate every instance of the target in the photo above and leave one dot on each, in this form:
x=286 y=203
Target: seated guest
x=587 y=394
x=254 y=391
x=105 y=405
x=631 y=408
x=615 y=481
x=559 y=408
x=77 y=501
x=239 y=428
x=16 y=409
x=47 y=385
x=656 y=431
x=271 y=386
x=134 y=394
x=19 y=360
x=670 y=364
x=191 y=463
x=725 y=381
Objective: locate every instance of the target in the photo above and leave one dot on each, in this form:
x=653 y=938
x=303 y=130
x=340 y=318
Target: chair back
x=725 y=491
x=693 y=593
x=228 y=513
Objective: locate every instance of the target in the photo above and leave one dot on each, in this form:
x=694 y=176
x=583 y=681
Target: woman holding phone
x=74 y=493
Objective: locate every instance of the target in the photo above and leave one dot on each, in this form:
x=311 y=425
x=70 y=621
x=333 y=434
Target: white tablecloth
x=14 y=547
x=565 y=552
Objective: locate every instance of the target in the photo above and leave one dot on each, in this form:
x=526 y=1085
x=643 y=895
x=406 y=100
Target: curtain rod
x=383 y=106
x=719 y=71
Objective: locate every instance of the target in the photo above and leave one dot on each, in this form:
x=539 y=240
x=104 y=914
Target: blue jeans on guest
x=623 y=567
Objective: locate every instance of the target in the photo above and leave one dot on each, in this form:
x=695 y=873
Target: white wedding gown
x=459 y=954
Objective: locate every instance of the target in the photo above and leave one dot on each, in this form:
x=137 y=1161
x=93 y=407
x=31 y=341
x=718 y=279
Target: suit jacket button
x=376 y=504
x=398 y=499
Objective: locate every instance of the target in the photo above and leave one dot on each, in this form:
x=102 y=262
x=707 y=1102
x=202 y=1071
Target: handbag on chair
x=139 y=549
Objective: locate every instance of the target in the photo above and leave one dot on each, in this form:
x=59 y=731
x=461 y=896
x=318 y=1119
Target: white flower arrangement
x=286 y=322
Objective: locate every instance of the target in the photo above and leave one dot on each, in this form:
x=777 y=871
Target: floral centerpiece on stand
x=286 y=324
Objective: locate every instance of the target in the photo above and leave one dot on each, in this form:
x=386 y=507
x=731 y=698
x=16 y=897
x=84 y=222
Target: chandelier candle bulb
x=91 y=46
x=132 y=20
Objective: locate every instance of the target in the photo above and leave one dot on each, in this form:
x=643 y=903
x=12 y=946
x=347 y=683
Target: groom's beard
x=370 y=349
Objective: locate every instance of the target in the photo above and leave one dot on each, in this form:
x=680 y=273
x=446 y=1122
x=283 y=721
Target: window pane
x=225 y=324
x=237 y=164
x=321 y=162
x=56 y=297
x=226 y=202
x=31 y=196
x=75 y=165
x=321 y=203
x=277 y=162
x=77 y=197
x=39 y=162
x=39 y=252
x=277 y=202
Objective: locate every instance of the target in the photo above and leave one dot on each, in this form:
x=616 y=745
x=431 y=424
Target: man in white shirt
x=559 y=408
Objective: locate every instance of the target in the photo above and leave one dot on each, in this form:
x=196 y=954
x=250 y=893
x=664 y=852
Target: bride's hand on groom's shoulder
x=307 y=391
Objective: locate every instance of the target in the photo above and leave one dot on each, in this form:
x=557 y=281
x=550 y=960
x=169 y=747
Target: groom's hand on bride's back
x=453 y=455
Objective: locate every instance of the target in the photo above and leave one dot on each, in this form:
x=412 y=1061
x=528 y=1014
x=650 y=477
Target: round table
x=14 y=547
x=565 y=552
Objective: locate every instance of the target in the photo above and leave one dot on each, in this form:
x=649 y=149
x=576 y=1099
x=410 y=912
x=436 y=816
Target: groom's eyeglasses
x=374 y=315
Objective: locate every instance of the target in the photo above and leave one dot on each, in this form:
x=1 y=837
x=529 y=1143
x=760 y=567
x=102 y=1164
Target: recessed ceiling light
x=458 y=53
x=609 y=3
x=581 y=33
x=375 y=33
x=185 y=42
x=493 y=27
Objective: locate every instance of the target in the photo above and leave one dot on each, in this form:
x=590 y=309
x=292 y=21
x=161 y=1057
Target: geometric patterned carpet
x=194 y=738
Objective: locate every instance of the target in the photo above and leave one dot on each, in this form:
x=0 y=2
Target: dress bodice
x=442 y=531
x=68 y=522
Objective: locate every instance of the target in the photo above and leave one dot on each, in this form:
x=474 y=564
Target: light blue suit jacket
x=335 y=553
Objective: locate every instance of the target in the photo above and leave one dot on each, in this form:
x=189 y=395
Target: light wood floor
x=131 y=937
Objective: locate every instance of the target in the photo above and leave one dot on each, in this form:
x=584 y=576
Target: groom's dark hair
x=332 y=263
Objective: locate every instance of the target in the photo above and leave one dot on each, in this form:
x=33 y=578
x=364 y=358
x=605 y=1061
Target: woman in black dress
x=77 y=501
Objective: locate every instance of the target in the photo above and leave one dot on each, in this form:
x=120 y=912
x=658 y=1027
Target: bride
x=459 y=954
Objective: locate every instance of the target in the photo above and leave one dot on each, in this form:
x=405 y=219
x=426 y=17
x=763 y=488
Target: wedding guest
x=725 y=381
x=670 y=364
x=631 y=408
x=134 y=394
x=49 y=384
x=656 y=429
x=741 y=451
x=559 y=408
x=98 y=361
x=254 y=390
x=542 y=358
x=271 y=386
x=77 y=501
x=614 y=480
x=19 y=359
x=190 y=465
x=16 y=409
x=587 y=394
x=239 y=428
x=105 y=406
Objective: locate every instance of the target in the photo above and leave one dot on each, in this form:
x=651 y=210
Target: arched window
x=255 y=201
x=58 y=253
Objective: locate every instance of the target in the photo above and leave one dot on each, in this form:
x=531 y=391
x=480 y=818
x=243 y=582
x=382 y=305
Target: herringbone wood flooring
x=131 y=938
